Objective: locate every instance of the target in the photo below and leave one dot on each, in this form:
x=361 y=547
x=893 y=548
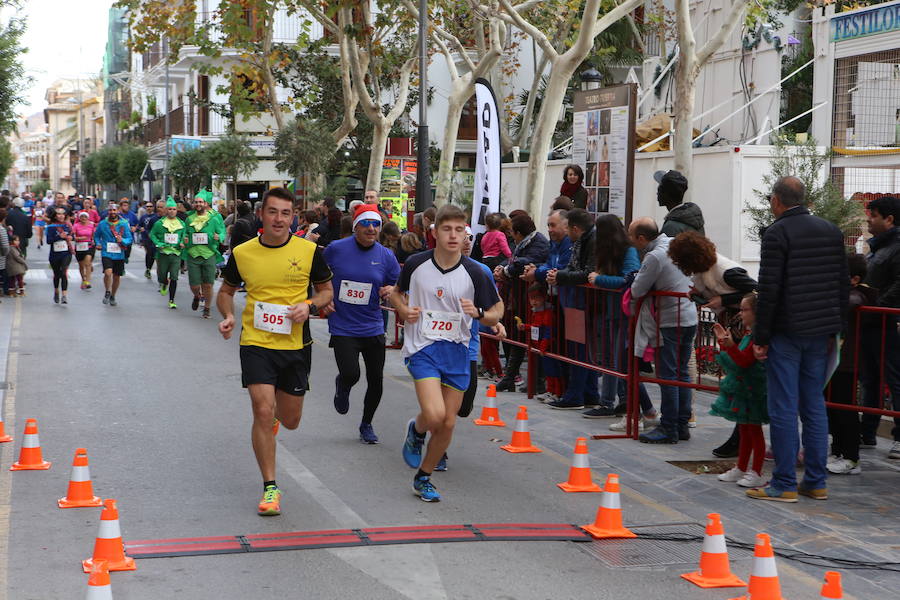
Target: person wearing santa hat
x=364 y=274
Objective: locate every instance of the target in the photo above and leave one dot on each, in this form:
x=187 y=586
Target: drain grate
x=654 y=553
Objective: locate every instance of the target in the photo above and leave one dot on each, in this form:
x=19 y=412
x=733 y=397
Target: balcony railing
x=155 y=130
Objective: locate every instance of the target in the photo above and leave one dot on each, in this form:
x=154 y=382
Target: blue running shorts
x=447 y=361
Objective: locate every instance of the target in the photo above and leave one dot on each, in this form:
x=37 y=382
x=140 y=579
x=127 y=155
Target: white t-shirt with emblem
x=438 y=292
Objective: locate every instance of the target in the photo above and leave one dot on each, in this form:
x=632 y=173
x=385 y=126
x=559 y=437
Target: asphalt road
x=155 y=397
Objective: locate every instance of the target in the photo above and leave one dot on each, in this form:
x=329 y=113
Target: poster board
x=398 y=183
x=603 y=146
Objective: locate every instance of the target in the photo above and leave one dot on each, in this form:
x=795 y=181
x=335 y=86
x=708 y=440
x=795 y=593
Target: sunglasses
x=370 y=223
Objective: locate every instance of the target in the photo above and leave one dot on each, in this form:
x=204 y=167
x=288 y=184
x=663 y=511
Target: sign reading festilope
x=865 y=22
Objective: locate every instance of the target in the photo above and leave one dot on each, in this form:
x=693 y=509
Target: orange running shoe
x=270 y=505
x=275 y=425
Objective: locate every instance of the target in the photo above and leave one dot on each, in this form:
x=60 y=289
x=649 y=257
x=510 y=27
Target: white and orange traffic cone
x=489 y=414
x=764 y=584
x=99 y=587
x=81 y=491
x=108 y=545
x=4 y=437
x=30 y=458
x=521 y=438
x=580 y=472
x=608 y=523
x=831 y=589
x=715 y=571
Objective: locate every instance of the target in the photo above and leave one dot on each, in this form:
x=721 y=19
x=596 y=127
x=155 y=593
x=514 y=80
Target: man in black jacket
x=884 y=276
x=803 y=294
x=583 y=386
x=20 y=223
x=682 y=216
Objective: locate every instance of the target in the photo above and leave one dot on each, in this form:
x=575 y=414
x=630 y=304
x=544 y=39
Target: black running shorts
x=117 y=266
x=287 y=370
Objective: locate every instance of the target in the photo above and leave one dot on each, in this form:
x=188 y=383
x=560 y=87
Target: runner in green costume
x=205 y=231
x=168 y=236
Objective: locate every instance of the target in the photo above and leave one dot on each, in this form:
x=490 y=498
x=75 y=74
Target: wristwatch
x=480 y=313
x=313 y=309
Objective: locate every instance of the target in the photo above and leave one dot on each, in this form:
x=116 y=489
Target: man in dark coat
x=682 y=216
x=803 y=296
x=883 y=275
x=20 y=224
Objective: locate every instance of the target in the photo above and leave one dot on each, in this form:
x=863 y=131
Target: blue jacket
x=560 y=253
x=630 y=263
x=103 y=235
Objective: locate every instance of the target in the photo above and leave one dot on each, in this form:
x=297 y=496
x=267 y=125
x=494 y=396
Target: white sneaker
x=752 y=479
x=620 y=425
x=548 y=398
x=732 y=476
x=894 y=452
x=832 y=458
x=844 y=466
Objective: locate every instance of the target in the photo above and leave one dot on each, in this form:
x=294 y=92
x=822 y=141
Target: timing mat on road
x=342 y=538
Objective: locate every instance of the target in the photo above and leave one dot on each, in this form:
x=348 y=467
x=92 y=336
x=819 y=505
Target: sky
x=65 y=38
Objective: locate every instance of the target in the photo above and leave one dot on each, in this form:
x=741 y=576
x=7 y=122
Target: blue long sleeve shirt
x=630 y=263
x=560 y=253
x=103 y=235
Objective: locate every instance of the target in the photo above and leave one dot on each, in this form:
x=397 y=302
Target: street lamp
x=591 y=79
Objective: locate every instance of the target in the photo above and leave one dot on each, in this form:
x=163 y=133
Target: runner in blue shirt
x=113 y=237
x=364 y=273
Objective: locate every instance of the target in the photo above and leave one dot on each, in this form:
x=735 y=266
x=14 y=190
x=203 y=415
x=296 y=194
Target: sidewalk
x=859 y=521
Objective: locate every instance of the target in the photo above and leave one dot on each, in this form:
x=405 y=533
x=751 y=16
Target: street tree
x=7 y=159
x=190 y=170
x=231 y=157
x=106 y=165
x=131 y=163
x=303 y=146
x=690 y=61
x=562 y=67
x=460 y=34
x=89 y=169
x=13 y=80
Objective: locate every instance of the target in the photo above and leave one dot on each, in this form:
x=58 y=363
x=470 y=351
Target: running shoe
x=341 y=397
x=442 y=464
x=112 y=301
x=172 y=305
x=163 y=289
x=84 y=285
x=424 y=489
x=89 y=286
x=734 y=475
x=412 y=446
x=64 y=300
x=276 y=424
x=752 y=479
x=106 y=298
x=844 y=466
x=147 y=273
x=195 y=303
x=205 y=312
x=270 y=505
x=894 y=452
x=367 y=434
x=55 y=296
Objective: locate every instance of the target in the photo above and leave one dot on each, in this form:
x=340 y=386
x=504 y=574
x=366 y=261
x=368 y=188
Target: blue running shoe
x=367 y=434
x=412 y=446
x=442 y=464
x=423 y=488
x=341 y=397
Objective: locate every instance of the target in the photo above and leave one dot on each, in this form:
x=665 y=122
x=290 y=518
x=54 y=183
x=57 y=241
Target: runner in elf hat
x=168 y=234
x=205 y=231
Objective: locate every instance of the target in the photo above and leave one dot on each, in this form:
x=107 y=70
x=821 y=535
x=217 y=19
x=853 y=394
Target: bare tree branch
x=533 y=31
x=716 y=41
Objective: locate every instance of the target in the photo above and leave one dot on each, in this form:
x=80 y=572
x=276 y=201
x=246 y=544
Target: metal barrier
x=590 y=332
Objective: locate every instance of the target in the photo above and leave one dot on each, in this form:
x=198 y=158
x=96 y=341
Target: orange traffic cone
x=98 y=583
x=521 y=438
x=81 y=490
x=764 y=583
x=714 y=570
x=489 y=413
x=30 y=458
x=580 y=471
x=4 y=437
x=832 y=588
x=608 y=523
x=108 y=545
